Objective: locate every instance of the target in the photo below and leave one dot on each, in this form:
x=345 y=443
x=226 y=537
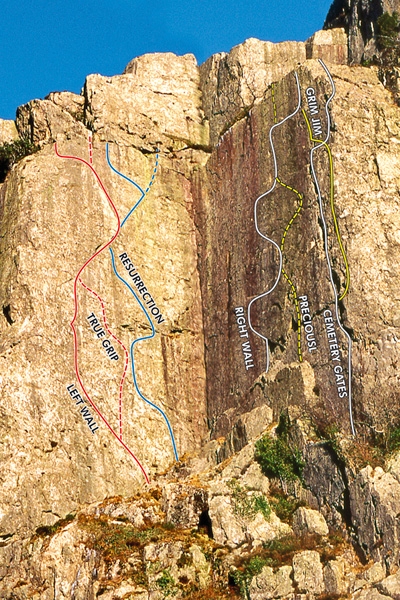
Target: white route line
x=256 y=222
x=326 y=235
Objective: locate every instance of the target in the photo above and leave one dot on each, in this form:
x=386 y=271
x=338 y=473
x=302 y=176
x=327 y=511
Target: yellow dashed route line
x=332 y=196
x=288 y=226
x=290 y=282
x=273 y=101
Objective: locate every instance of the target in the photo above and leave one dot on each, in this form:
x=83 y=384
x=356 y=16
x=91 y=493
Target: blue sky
x=51 y=45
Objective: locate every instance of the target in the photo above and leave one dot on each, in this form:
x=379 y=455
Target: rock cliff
x=359 y=19
x=211 y=529
x=189 y=254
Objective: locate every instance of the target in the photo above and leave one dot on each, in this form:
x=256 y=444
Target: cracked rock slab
x=307 y=572
x=307 y=520
x=269 y=584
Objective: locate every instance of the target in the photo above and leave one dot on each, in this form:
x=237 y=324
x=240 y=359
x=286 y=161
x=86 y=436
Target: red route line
x=121 y=385
x=76 y=363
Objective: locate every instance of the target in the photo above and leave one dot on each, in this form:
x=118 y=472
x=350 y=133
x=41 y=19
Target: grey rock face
x=324 y=478
x=247 y=427
x=375 y=506
x=62 y=465
x=233 y=82
x=359 y=18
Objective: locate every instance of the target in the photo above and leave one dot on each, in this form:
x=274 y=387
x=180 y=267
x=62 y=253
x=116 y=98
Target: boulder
x=335 y=577
x=269 y=584
x=225 y=526
x=391 y=586
x=373 y=575
x=233 y=530
x=308 y=574
x=183 y=504
x=307 y=520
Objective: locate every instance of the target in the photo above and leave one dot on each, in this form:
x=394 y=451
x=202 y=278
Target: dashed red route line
x=90 y=149
x=76 y=362
x=121 y=385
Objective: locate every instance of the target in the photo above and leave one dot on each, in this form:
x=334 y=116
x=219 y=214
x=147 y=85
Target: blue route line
x=148 y=337
x=143 y=193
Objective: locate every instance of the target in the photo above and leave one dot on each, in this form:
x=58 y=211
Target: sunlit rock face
x=55 y=216
x=277 y=142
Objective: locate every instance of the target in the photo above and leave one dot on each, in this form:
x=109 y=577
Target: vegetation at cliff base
x=243 y=577
x=280 y=552
x=50 y=530
x=369 y=447
x=13 y=152
x=166 y=583
x=278 y=456
x=118 y=540
x=246 y=503
x=284 y=505
x=393 y=439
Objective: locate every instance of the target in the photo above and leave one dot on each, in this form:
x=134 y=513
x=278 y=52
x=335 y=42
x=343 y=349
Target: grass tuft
x=278 y=456
x=50 y=530
x=247 y=504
